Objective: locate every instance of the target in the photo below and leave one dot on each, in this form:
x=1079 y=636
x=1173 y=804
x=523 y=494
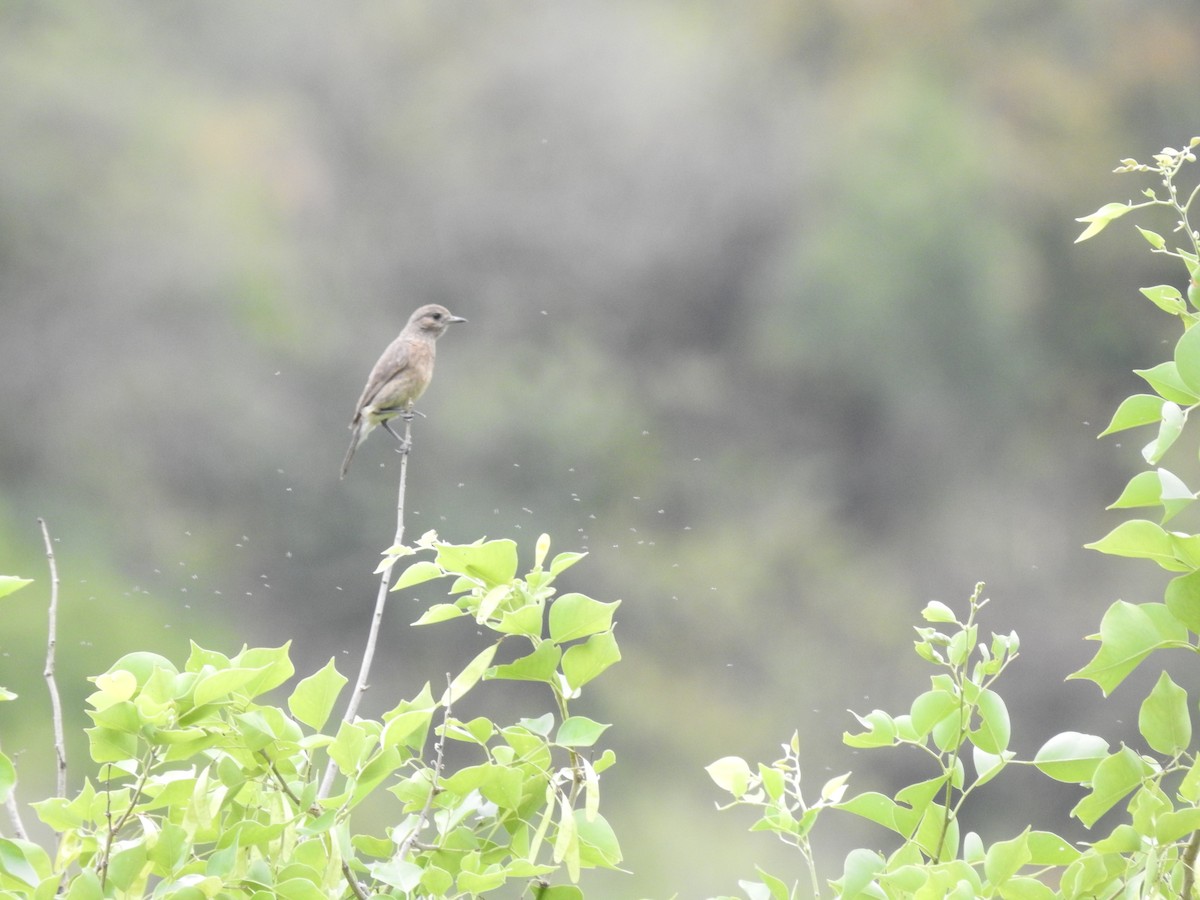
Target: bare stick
x=14 y=815
x=1189 y=866
x=385 y=579
x=408 y=841
x=60 y=743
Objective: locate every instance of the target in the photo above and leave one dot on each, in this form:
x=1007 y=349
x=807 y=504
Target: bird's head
x=432 y=320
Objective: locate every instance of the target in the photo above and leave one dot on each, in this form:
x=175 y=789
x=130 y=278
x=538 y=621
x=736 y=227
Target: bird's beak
x=456 y=319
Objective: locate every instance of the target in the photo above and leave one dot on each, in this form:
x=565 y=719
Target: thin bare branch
x=14 y=815
x=385 y=579
x=407 y=843
x=1189 y=866
x=60 y=742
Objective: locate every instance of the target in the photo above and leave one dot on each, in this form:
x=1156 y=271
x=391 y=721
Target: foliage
x=204 y=789
x=1153 y=850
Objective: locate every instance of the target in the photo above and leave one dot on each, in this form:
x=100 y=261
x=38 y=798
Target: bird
x=400 y=376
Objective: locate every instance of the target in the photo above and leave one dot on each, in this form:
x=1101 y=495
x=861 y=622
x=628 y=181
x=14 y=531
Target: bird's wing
x=390 y=364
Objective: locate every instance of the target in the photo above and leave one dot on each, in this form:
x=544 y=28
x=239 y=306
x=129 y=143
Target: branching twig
x=60 y=743
x=113 y=830
x=408 y=841
x=360 y=686
x=353 y=882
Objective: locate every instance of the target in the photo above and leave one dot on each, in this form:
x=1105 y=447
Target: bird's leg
x=405 y=446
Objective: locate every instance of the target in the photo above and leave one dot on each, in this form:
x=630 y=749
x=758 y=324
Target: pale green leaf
x=1163 y=718
x=313 y=699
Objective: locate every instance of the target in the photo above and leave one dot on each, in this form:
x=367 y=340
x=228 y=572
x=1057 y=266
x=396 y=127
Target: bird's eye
x=437 y=315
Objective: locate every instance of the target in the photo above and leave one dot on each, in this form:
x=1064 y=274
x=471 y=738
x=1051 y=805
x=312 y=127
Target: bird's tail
x=359 y=433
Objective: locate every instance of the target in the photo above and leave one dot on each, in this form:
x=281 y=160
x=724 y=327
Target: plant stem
x=385 y=579
x=60 y=742
x=408 y=841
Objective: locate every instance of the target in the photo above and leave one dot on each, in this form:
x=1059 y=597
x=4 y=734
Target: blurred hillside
x=773 y=308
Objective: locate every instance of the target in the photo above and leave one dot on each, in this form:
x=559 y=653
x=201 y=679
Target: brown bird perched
x=400 y=376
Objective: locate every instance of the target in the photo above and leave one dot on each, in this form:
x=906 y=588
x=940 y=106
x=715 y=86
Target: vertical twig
x=385 y=579
x=14 y=815
x=1189 y=866
x=410 y=839
x=60 y=744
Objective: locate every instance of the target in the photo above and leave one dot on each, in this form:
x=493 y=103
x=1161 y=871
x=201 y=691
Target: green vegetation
x=963 y=726
x=204 y=791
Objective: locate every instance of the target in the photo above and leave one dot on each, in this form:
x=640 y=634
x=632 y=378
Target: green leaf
x=1164 y=296
x=1115 y=777
x=11 y=583
x=439 y=612
x=524 y=620
x=381 y=765
x=85 y=886
x=1175 y=824
x=1155 y=240
x=107 y=745
x=1189 y=788
x=492 y=563
x=350 y=748
x=937 y=611
x=142 y=665
x=1164 y=378
x=597 y=841
x=1187 y=359
x=1169 y=429
x=1098 y=220
x=564 y=561
x=1128 y=634
x=860 y=869
x=1139 y=539
x=882 y=810
x=930 y=708
x=113 y=687
x=1135 y=411
x=540 y=665
x=127 y=866
x=273 y=665
x=499 y=784
x=1173 y=494
x=397 y=873
x=560 y=892
x=988 y=765
x=995 y=729
x=418 y=573
x=1183 y=600
x=1163 y=718
x=1143 y=489
x=16 y=863
x=469 y=676
x=574 y=616
x=579 y=731
x=219 y=686
x=1005 y=858
x=731 y=773
x=881 y=730
x=313 y=699
x=1048 y=849
x=583 y=662
x=1071 y=757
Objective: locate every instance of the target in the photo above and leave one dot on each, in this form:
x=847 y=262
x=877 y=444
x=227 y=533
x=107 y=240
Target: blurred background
x=774 y=310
